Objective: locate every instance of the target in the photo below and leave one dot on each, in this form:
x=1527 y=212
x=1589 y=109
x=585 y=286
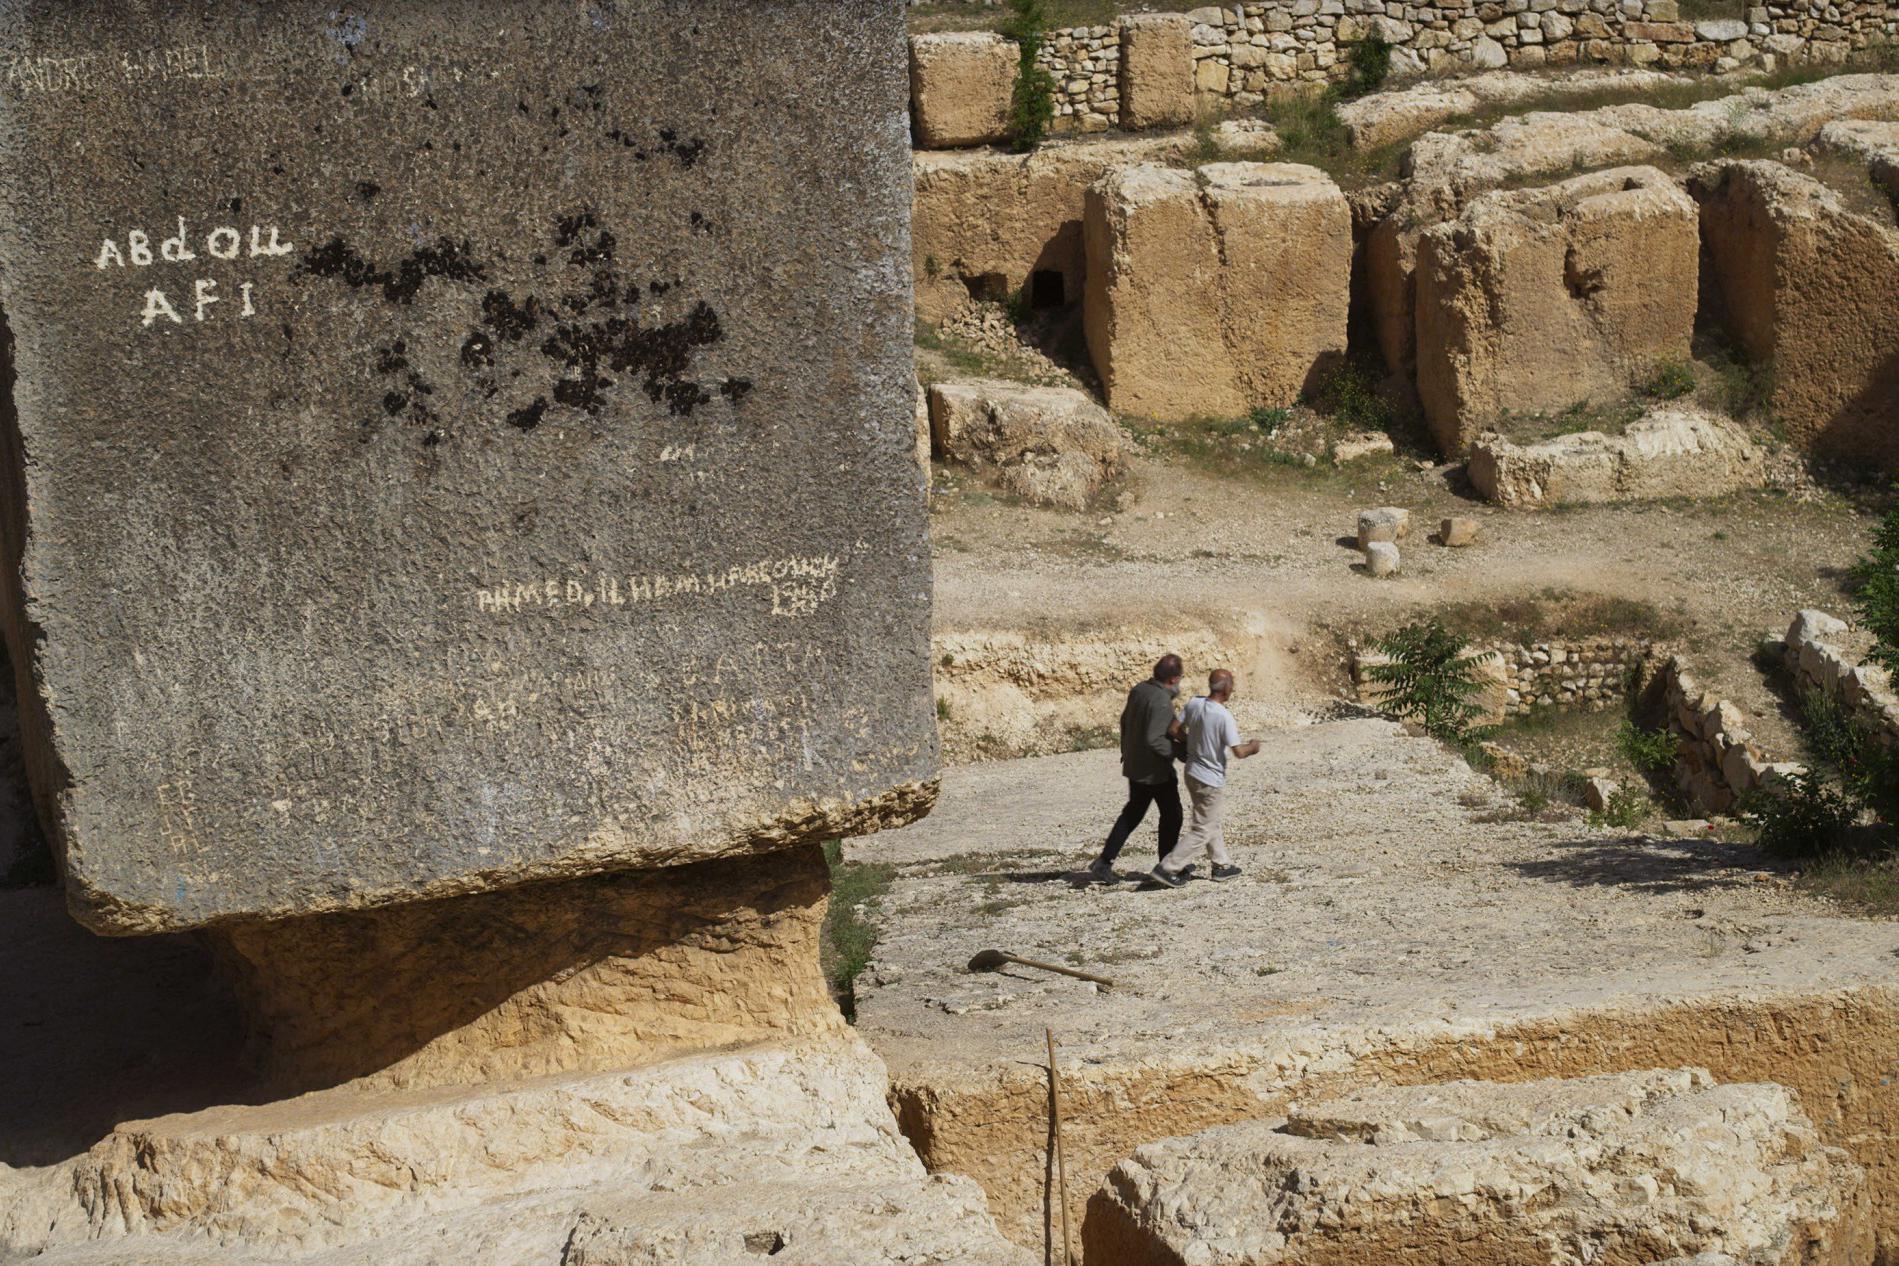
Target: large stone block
x=1050 y=445
x=1625 y=1167
x=1536 y=299
x=1157 y=76
x=990 y=224
x=1214 y=291
x=453 y=447
x=961 y=83
x=1807 y=286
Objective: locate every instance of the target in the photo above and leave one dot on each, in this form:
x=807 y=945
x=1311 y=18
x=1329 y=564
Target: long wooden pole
x=1061 y=1155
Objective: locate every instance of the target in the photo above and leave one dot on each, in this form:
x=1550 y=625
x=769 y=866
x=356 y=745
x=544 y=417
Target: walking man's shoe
x=1164 y=879
x=1102 y=873
x=1222 y=873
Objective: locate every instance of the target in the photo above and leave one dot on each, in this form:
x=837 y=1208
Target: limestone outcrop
x=960 y=87
x=1672 y=451
x=995 y=224
x=1215 y=291
x=1624 y=1168
x=1806 y=286
x=1049 y=445
x=1536 y=299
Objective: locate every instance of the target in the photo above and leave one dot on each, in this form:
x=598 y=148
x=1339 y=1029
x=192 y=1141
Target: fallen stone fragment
x=1349 y=448
x=1457 y=533
x=1381 y=558
x=1387 y=523
x=961 y=85
x=1598 y=792
x=1625 y=1167
x=1050 y=445
x=1674 y=451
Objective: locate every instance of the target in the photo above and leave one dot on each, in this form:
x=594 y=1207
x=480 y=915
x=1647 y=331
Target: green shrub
x=1626 y=808
x=1651 y=751
x=1366 y=67
x=1877 y=598
x=849 y=937
x=1032 y=104
x=1798 y=816
x=1429 y=677
x=1670 y=380
x=1349 y=394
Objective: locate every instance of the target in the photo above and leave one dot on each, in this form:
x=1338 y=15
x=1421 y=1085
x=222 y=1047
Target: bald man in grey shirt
x=1211 y=734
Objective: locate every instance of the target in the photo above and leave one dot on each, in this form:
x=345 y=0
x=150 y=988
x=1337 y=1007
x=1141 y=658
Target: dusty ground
x=1219 y=535
x=1396 y=921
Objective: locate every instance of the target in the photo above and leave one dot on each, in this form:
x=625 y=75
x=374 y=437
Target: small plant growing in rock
x=1429 y=676
x=1877 y=576
x=1032 y=105
x=1671 y=380
x=1626 y=808
x=1652 y=752
x=1349 y=394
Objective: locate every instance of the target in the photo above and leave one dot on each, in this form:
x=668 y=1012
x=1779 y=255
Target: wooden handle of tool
x=1066 y=971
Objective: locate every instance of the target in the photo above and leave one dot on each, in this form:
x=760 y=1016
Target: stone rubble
x=1049 y=445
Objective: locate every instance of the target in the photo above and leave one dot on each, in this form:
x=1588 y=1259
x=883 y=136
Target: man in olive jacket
x=1147 y=761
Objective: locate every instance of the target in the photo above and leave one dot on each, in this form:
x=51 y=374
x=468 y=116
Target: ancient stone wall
x=1815 y=660
x=1243 y=52
x=1717 y=761
x=1521 y=677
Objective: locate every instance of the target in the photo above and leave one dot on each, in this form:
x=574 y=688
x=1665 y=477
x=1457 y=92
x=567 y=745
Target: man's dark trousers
x=1140 y=795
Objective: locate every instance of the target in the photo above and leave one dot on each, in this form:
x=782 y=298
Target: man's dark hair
x=1168 y=668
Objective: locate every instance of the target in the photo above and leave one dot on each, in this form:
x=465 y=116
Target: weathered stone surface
x=1215 y=291
x=1674 y=451
x=961 y=83
x=1381 y=559
x=1385 y=117
x=1456 y=533
x=986 y=222
x=784 y=1150
x=1387 y=523
x=1051 y=445
x=1361 y=444
x=1598 y=792
x=1807 y=286
x=1633 y=1167
x=1536 y=299
x=1156 y=70
x=328 y=386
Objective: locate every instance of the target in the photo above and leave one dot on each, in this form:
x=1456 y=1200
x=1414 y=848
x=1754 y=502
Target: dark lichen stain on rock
x=596 y=334
x=447 y=258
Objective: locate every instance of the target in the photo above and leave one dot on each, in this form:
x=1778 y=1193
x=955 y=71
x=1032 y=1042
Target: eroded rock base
x=611 y=971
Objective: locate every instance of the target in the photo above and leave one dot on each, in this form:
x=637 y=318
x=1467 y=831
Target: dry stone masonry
x=1215 y=291
x=1518 y=678
x=1815 y=660
x=1242 y=54
x=1717 y=761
